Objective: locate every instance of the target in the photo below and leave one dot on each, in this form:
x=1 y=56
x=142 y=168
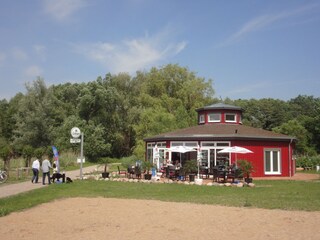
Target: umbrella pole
x=198 y=169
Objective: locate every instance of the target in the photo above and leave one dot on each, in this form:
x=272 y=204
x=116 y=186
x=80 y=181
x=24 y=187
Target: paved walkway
x=16 y=188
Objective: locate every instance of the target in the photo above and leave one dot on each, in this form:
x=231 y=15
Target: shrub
x=246 y=167
x=307 y=161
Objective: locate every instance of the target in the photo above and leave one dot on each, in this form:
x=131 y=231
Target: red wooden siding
x=257 y=157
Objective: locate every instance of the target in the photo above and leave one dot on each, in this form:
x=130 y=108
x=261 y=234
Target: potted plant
x=147 y=165
x=105 y=162
x=246 y=168
x=191 y=168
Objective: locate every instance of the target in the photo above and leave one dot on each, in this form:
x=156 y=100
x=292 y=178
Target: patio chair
x=218 y=174
x=122 y=172
x=137 y=171
x=204 y=172
x=163 y=171
x=131 y=172
x=172 y=172
x=231 y=175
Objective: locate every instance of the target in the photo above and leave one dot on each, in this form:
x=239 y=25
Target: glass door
x=205 y=158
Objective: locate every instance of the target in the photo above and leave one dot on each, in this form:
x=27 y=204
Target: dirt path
x=105 y=218
x=13 y=189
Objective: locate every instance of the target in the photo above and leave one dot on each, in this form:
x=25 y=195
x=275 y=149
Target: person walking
x=46 y=165
x=35 y=170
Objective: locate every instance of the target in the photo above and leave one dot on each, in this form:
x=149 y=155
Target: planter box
x=147 y=176
x=248 y=180
x=105 y=174
x=191 y=177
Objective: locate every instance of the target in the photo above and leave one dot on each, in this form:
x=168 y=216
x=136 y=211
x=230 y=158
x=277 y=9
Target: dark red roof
x=220 y=132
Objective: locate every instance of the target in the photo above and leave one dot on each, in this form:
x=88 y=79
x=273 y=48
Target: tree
x=264 y=113
x=304 y=106
x=94 y=143
x=6 y=153
x=35 y=117
x=312 y=125
x=295 y=129
x=27 y=154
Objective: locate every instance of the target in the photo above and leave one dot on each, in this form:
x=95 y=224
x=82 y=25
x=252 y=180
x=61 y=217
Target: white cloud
x=132 y=55
x=63 y=9
x=33 y=71
x=263 y=21
x=18 y=54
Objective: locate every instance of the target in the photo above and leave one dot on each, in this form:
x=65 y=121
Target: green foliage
x=6 y=153
x=105 y=161
x=296 y=129
x=27 y=153
x=246 y=167
x=190 y=166
x=39 y=152
x=128 y=161
x=264 y=113
x=298 y=117
x=147 y=165
x=94 y=144
x=139 y=149
x=308 y=161
x=35 y=116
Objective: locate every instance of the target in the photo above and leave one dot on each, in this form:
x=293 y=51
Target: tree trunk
x=7 y=165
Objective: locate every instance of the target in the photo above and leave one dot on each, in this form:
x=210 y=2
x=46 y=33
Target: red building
x=220 y=126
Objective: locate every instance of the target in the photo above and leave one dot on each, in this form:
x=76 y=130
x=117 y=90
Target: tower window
x=230 y=117
x=214 y=117
x=201 y=118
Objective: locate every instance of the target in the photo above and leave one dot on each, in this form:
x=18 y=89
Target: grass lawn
x=286 y=195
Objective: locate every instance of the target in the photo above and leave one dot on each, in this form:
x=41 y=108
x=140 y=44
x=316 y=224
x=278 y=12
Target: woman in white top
x=35 y=170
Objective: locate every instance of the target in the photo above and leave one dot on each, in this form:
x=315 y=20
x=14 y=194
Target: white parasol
x=236 y=150
x=182 y=149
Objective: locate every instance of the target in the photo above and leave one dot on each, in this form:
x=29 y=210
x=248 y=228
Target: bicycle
x=3 y=176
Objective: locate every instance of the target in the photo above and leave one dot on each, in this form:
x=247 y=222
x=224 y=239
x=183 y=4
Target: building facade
x=220 y=126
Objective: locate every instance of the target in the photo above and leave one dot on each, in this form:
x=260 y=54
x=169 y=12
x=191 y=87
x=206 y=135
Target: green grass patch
x=286 y=195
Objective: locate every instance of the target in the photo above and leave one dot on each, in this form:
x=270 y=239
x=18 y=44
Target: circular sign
x=75 y=132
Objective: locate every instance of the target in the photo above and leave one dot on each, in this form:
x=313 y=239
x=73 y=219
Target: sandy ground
x=102 y=218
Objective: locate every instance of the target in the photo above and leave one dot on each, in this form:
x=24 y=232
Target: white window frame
x=214 y=120
x=272 y=150
x=214 y=146
x=201 y=118
x=232 y=121
x=187 y=144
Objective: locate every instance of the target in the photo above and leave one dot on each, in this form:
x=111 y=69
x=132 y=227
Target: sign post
x=81 y=155
x=76 y=133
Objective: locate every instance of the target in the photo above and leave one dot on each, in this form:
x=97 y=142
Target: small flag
x=56 y=157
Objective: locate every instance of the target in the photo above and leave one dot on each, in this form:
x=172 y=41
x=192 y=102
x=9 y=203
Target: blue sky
x=250 y=49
